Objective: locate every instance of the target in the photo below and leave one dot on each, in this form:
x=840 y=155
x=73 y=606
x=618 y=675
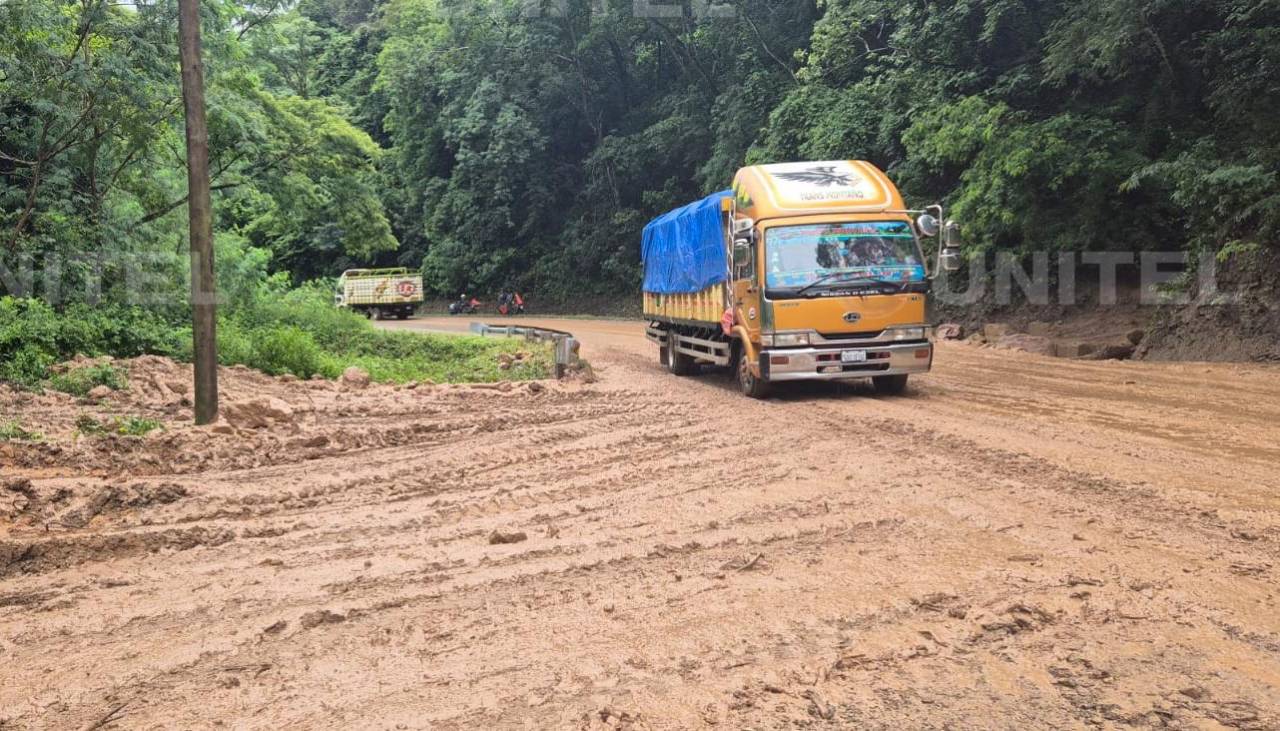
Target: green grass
x=388 y=356
x=303 y=334
x=399 y=357
x=80 y=381
x=278 y=332
x=133 y=426
x=13 y=431
x=126 y=426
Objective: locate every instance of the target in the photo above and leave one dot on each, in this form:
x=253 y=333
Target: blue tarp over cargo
x=684 y=250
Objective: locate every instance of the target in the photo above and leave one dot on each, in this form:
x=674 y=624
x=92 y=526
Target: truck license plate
x=853 y=356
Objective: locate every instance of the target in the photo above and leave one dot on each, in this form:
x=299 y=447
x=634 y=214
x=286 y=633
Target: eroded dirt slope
x=1020 y=542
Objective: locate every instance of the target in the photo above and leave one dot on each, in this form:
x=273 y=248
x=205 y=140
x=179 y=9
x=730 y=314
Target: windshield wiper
x=898 y=283
x=851 y=276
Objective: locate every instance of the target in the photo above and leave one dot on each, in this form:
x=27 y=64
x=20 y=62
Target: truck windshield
x=840 y=254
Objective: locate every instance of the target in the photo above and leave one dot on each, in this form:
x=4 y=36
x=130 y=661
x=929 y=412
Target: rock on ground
x=258 y=413
x=355 y=377
x=993 y=331
x=1028 y=343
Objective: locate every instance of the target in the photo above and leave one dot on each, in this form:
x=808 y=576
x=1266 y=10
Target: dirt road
x=1020 y=542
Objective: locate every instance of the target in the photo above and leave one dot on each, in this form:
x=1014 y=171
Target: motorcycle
x=465 y=306
x=511 y=304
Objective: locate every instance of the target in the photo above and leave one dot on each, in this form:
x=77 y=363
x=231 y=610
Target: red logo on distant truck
x=406 y=288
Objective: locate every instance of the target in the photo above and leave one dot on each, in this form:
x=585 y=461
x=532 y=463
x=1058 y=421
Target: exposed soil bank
x=1234 y=319
x=1240 y=321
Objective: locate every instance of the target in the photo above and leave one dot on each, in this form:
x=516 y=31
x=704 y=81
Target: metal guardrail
x=566 y=345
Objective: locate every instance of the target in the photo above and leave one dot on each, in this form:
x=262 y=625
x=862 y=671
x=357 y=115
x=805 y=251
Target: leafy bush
x=80 y=381
x=26 y=367
x=34 y=336
x=124 y=332
x=235 y=344
x=28 y=341
x=310 y=308
x=278 y=350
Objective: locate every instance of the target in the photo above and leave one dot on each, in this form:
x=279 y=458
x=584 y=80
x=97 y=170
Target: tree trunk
x=200 y=210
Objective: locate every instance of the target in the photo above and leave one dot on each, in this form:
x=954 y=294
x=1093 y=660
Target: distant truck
x=380 y=293
x=802 y=271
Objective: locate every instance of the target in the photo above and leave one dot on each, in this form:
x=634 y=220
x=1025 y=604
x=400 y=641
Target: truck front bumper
x=825 y=364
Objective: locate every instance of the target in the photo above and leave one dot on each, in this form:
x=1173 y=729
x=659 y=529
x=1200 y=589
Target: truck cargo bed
x=706 y=306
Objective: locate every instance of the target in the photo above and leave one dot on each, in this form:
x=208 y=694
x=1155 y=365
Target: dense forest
x=525 y=143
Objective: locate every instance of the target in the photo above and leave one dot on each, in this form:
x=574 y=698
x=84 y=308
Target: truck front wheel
x=749 y=383
x=889 y=385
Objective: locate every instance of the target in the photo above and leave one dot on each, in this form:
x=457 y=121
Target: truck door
x=746 y=291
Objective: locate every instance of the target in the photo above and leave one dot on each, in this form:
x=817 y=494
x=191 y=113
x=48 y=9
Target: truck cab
x=825 y=279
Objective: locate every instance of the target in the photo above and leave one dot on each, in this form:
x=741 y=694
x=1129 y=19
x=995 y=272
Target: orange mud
x=1019 y=542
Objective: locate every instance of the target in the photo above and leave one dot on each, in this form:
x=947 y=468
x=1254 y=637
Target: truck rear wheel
x=889 y=385
x=750 y=384
x=678 y=363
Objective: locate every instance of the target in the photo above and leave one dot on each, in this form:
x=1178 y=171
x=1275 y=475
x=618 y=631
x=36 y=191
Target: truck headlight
x=908 y=333
x=786 y=340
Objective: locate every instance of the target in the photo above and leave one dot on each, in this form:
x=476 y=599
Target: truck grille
x=865 y=367
x=847 y=337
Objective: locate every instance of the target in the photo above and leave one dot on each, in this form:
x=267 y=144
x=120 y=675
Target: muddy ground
x=1020 y=542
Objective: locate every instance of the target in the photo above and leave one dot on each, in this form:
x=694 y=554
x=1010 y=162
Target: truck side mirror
x=927 y=225
x=950 y=259
x=741 y=252
x=951 y=235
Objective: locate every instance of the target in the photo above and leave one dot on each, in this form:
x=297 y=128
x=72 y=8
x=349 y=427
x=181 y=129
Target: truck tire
x=889 y=385
x=750 y=385
x=678 y=363
x=377 y=313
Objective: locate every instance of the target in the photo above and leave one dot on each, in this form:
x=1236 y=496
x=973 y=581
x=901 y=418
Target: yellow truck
x=802 y=271
x=380 y=293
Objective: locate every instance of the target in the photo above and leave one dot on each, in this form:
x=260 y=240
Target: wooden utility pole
x=200 y=210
